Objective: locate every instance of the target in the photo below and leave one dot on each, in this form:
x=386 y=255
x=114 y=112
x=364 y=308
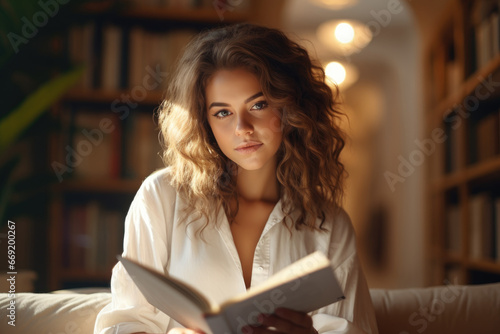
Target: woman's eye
x=260 y=105
x=222 y=113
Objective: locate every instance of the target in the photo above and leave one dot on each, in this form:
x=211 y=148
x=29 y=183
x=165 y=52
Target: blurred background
x=419 y=82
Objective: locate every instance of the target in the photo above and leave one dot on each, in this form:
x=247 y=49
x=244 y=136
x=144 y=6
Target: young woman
x=253 y=183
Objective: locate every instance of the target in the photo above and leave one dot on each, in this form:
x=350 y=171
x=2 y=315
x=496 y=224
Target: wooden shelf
x=471 y=173
x=449 y=181
x=475 y=264
x=102 y=186
x=457 y=199
x=467 y=88
x=486 y=265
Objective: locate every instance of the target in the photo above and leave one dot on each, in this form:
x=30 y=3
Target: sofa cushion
x=448 y=309
x=444 y=309
x=48 y=313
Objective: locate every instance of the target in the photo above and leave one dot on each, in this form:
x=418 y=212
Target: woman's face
x=247 y=129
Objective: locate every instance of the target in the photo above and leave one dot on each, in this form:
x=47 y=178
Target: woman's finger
x=298 y=318
x=280 y=324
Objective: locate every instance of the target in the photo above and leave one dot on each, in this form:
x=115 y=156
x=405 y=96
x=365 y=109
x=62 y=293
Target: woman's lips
x=248 y=148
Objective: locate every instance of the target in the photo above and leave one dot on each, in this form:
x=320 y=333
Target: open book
x=305 y=285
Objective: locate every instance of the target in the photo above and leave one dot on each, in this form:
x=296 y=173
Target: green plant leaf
x=18 y=120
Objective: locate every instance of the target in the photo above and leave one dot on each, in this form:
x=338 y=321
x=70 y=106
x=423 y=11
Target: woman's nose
x=244 y=125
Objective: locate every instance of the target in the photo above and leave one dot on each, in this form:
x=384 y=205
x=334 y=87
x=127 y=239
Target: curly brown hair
x=309 y=171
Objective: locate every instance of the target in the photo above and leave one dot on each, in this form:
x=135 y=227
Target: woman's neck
x=258 y=185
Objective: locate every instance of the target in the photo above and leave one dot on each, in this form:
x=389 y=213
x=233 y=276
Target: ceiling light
x=336 y=72
x=343 y=75
x=344 y=32
x=344 y=37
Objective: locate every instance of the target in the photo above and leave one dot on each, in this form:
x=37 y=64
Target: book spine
x=495 y=36
x=111 y=60
x=481 y=229
x=475 y=227
x=96 y=56
x=93 y=230
x=88 y=35
x=124 y=55
x=453 y=229
x=487 y=127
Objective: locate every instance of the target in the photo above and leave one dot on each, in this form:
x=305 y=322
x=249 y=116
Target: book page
x=302 y=267
x=178 y=300
x=305 y=293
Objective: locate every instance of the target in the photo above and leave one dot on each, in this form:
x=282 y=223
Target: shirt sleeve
x=355 y=314
x=145 y=241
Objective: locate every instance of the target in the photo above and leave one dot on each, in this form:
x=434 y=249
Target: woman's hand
x=179 y=330
x=284 y=321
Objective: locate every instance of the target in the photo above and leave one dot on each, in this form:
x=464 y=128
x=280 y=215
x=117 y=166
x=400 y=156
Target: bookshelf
x=463 y=104
x=105 y=141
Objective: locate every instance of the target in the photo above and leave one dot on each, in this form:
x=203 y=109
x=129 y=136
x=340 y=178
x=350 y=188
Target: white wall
x=385 y=107
x=394 y=69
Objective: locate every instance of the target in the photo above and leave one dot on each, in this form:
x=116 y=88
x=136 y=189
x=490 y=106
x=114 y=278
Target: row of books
x=142 y=152
x=93 y=236
x=117 y=58
x=96 y=148
x=483 y=140
x=447 y=70
x=484 y=227
x=99 y=145
x=485 y=137
x=483 y=231
x=453 y=151
x=486 y=31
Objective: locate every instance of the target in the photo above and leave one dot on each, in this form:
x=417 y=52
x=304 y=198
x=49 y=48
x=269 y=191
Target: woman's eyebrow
x=220 y=104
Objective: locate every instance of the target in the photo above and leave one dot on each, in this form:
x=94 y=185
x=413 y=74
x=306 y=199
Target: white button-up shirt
x=155 y=236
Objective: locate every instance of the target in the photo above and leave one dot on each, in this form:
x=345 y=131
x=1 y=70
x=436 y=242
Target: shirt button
x=261 y=268
x=275 y=220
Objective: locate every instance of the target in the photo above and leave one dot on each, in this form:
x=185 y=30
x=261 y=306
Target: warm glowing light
x=341 y=75
x=345 y=37
x=344 y=32
x=335 y=72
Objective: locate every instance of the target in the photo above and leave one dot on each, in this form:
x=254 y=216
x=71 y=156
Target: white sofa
x=445 y=309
